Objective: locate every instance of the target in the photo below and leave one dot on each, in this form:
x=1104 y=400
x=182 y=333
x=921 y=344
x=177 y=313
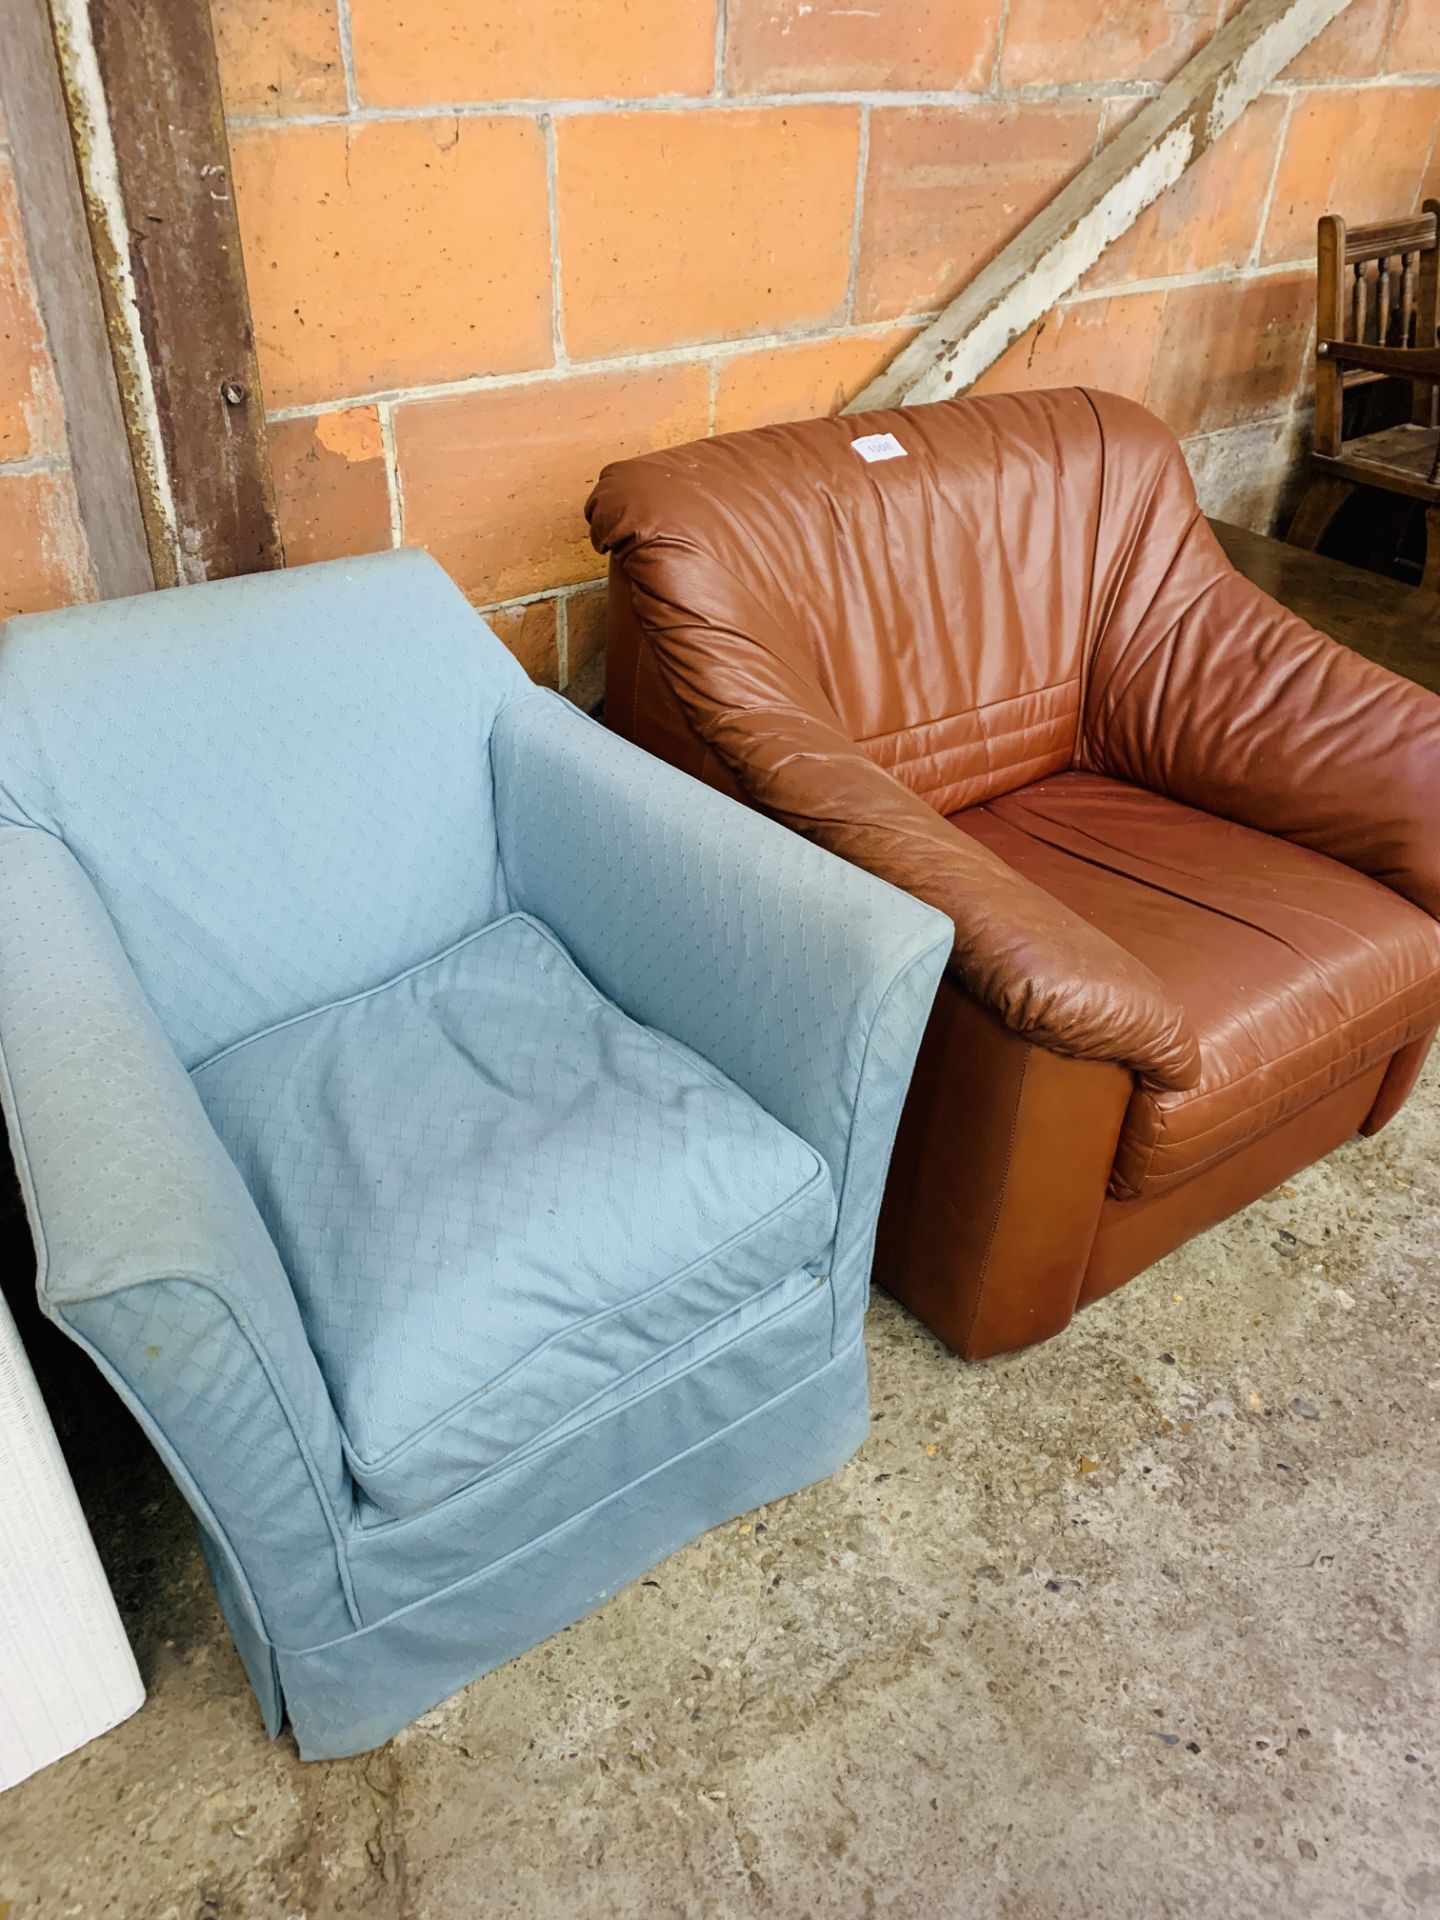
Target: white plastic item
x=66 y=1669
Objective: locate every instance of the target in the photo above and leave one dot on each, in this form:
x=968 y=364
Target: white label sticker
x=878 y=446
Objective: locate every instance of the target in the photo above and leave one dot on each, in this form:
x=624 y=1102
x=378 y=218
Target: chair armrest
x=1047 y=973
x=1217 y=696
x=151 y=1253
x=1405 y=363
x=1042 y=969
x=805 y=980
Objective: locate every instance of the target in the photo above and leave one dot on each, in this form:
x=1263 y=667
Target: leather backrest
x=279 y=785
x=944 y=601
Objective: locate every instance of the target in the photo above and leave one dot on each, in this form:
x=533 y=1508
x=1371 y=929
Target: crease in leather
x=1287 y=748
x=1129 y=865
x=1183 y=1064
x=960 y=797
x=1336 y=1073
x=981 y=748
x=968 y=713
x=957 y=789
x=1168 y=1127
x=1149 y=1033
x=1415 y=993
x=1138 y=539
x=1317 y=976
x=1092 y=628
x=1114 y=698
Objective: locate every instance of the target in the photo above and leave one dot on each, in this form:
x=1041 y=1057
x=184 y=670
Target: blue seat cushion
x=502 y=1203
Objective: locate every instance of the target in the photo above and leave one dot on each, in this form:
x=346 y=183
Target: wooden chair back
x=1377 y=286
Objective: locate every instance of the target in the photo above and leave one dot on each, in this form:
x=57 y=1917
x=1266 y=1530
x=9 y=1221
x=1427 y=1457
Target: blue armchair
x=456 y=1135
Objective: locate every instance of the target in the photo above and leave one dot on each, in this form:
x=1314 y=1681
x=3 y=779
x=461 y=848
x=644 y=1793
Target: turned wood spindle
x=1407 y=295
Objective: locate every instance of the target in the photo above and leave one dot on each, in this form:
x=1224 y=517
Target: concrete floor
x=1144 y=1622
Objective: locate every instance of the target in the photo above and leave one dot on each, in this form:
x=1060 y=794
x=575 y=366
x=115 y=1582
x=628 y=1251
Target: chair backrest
x=940 y=598
x=280 y=784
x=1374 y=286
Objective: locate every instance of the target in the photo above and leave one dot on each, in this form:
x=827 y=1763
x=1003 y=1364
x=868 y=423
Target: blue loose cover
x=457 y=1135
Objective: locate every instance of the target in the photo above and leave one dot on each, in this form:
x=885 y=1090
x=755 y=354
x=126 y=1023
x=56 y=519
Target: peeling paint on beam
x=143 y=94
x=99 y=173
x=1045 y=260
x=62 y=265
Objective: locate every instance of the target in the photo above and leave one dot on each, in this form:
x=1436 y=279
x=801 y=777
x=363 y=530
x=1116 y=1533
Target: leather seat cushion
x=505 y=1206
x=1297 y=974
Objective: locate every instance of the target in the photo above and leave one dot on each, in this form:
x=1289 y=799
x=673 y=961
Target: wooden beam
x=143 y=95
x=1148 y=155
x=68 y=292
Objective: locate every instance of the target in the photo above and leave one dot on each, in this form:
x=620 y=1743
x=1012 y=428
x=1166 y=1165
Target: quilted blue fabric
x=421 y=1420
x=699 y=921
x=500 y=1200
x=274 y=812
x=147 y=1236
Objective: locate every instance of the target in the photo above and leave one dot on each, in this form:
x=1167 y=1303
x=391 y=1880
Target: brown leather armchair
x=1191 y=847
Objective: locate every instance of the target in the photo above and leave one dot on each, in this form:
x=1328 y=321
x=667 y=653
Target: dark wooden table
x=1397 y=625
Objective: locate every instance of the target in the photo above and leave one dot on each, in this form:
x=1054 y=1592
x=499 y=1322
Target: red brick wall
x=494 y=243
x=643 y=224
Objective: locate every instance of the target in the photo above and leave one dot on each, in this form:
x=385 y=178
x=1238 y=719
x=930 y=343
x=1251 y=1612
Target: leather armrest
x=1218 y=697
x=1047 y=973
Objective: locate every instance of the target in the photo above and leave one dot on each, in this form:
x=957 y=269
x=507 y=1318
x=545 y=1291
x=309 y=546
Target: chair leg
x=1319 y=504
x=1431 y=576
